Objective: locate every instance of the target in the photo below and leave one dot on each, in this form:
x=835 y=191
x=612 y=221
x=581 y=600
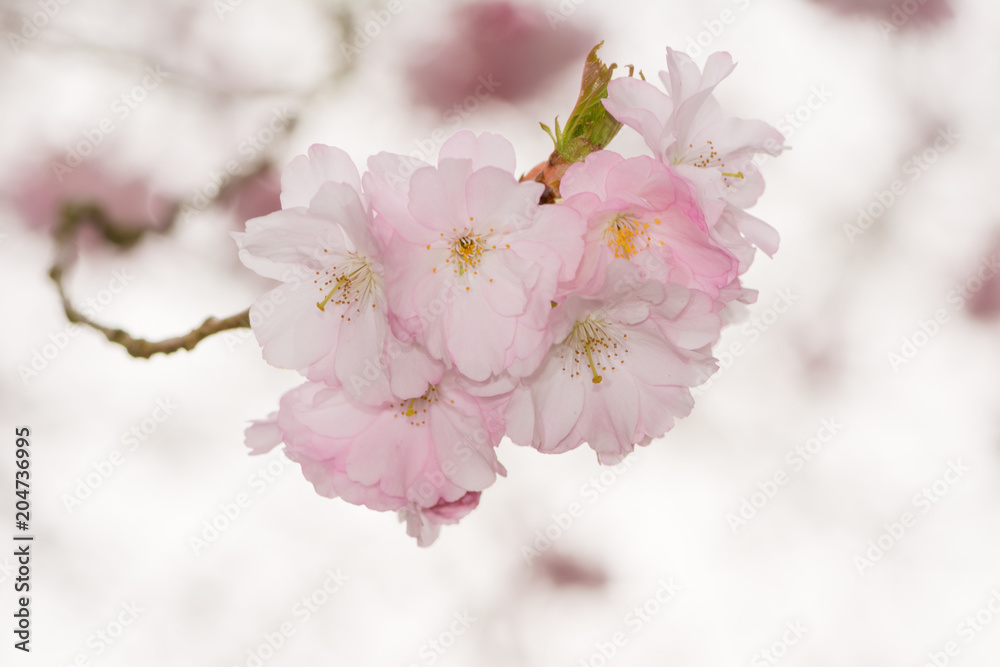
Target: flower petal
x=306 y=174
x=485 y=150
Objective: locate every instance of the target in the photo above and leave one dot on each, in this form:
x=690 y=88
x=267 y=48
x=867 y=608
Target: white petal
x=292 y=331
x=285 y=244
x=305 y=174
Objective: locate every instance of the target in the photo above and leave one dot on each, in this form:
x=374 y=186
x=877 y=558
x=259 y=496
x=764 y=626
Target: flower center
x=707 y=157
x=467 y=251
x=594 y=342
x=352 y=284
x=626 y=235
x=415 y=409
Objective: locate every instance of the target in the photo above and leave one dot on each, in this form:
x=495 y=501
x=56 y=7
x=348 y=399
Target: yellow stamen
x=624 y=236
x=590 y=359
x=468 y=252
x=595 y=339
x=322 y=304
x=738 y=174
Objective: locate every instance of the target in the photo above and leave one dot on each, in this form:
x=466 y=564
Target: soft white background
x=665 y=517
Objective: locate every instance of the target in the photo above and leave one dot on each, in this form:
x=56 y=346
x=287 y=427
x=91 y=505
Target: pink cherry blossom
x=473 y=262
x=436 y=307
x=627 y=352
x=428 y=457
x=329 y=318
x=640 y=210
x=686 y=128
x=424 y=523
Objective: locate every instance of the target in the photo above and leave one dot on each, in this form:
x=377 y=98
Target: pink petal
x=641 y=106
x=485 y=150
x=305 y=174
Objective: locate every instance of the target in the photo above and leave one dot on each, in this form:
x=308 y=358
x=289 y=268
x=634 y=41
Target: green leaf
x=548 y=131
x=589 y=127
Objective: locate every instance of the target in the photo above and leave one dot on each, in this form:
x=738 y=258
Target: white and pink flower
x=329 y=318
x=640 y=210
x=436 y=308
x=620 y=373
x=473 y=261
x=686 y=129
x=428 y=457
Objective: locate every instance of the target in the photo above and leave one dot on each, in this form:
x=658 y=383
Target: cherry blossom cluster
x=436 y=308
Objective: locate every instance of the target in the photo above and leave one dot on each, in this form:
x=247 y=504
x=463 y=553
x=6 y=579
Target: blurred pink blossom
x=255 y=196
x=984 y=303
x=897 y=13
x=42 y=189
x=508 y=42
x=564 y=570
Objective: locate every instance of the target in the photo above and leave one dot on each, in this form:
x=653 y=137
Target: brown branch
x=72 y=219
x=549 y=174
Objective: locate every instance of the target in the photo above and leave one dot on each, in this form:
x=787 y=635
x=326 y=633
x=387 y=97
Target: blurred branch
x=76 y=215
x=340 y=20
x=73 y=218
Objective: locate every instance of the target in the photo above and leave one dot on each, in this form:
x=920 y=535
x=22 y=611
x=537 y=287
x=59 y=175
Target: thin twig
x=72 y=219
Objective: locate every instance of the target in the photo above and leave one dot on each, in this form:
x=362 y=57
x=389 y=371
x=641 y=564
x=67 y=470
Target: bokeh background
x=832 y=500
